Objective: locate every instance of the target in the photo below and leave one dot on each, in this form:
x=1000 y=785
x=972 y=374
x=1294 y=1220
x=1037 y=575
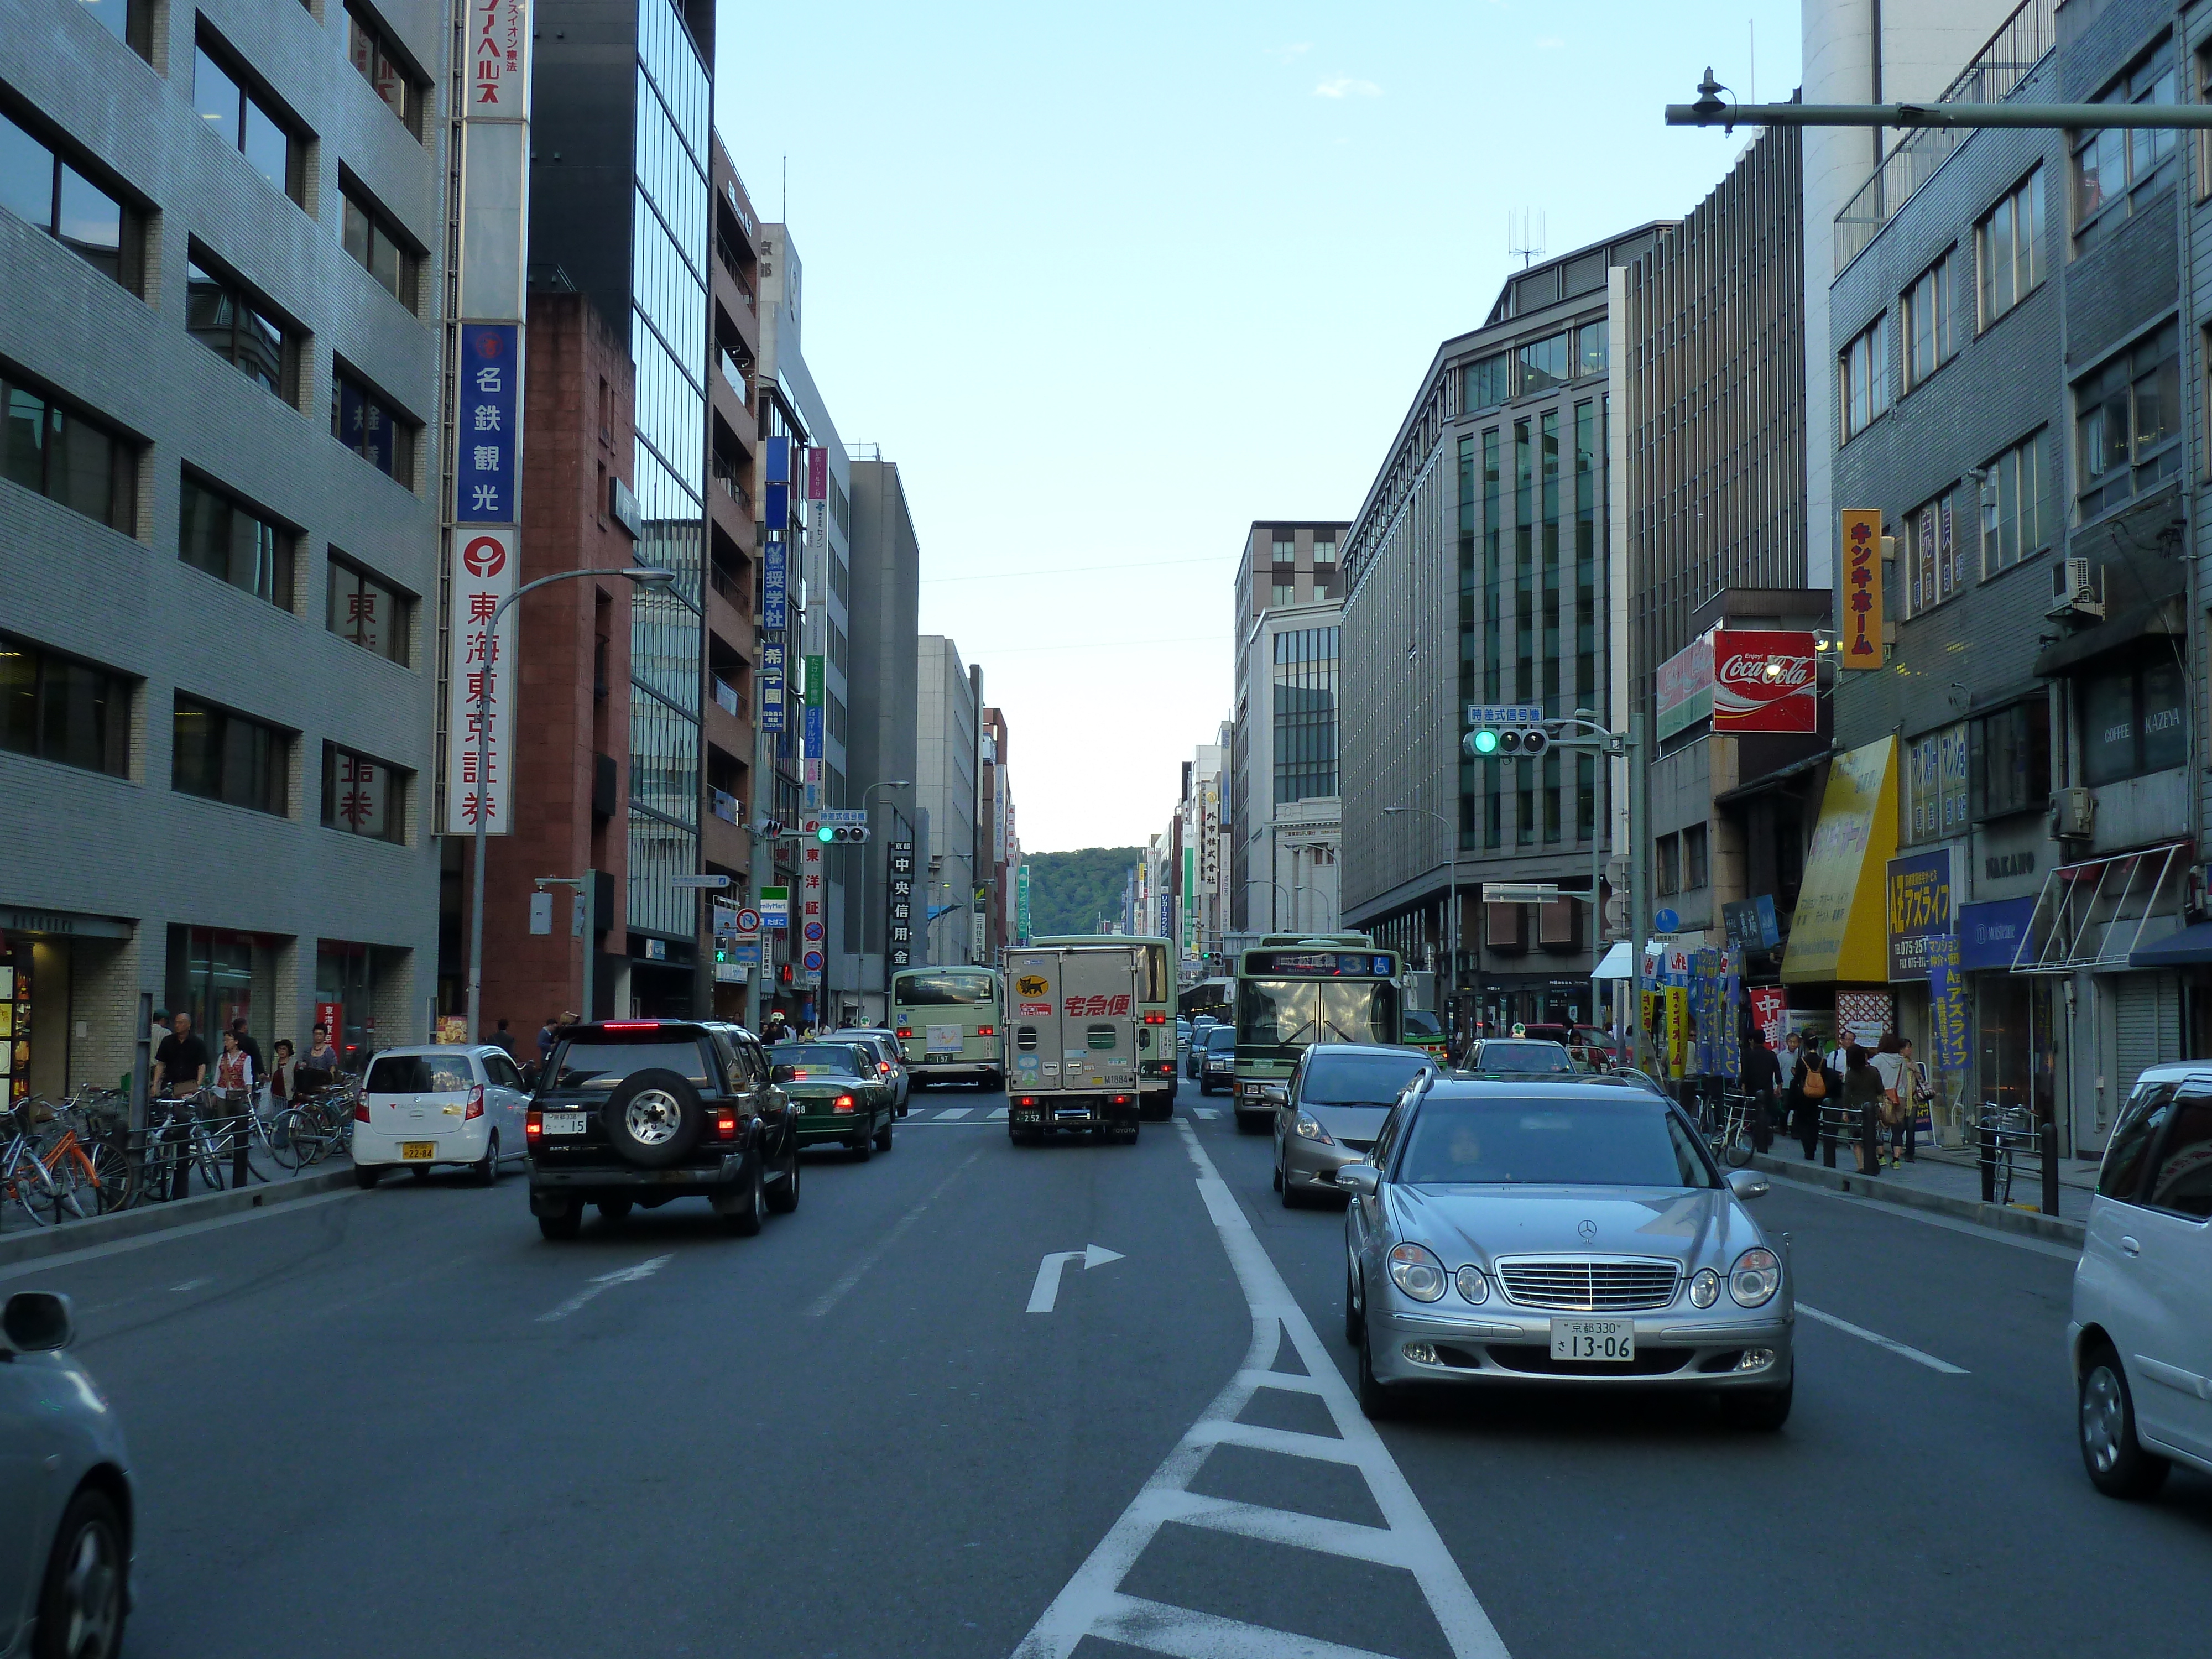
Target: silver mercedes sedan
x=1514 y=1231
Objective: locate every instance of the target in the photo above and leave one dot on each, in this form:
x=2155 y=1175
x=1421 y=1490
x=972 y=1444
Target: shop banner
x=898 y=913
x=1678 y=1029
x=774 y=587
x=1918 y=890
x=1763 y=680
x=1947 y=1004
x=480 y=678
x=1768 y=1008
x=1863 y=642
x=1685 y=686
x=1990 y=934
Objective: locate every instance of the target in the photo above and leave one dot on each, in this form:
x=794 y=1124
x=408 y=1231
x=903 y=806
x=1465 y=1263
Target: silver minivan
x=420 y=1107
x=2141 y=1335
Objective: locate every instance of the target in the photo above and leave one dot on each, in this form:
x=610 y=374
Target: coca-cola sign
x=1764 y=681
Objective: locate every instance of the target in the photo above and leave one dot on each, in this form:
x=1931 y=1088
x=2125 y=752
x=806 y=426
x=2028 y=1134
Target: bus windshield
x=944 y=990
x=1293 y=1012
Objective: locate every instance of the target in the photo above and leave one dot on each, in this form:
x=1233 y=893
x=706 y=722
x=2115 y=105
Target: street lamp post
x=868 y=864
x=1262 y=881
x=649 y=577
x=1451 y=899
x=967 y=904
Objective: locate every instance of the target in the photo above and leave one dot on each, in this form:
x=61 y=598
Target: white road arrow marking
x=1046 y=1291
x=619 y=1276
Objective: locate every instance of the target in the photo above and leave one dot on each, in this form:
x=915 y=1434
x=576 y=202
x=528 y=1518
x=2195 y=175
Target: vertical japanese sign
x=498 y=79
x=898 y=915
x=813 y=901
x=818 y=681
x=486 y=483
x=817 y=474
x=481 y=681
x=775 y=586
x=1946 y=1004
x=1022 y=913
x=771 y=692
x=1861 y=588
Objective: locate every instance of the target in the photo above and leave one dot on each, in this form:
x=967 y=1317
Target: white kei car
x=424 y=1107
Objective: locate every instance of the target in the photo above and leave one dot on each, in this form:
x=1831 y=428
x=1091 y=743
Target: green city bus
x=1156 y=1039
x=1293 y=991
x=951 y=1024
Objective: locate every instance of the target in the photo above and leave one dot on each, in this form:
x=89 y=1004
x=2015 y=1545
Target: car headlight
x=1474 y=1285
x=1310 y=1130
x=1705 y=1288
x=1757 y=1276
x=1415 y=1270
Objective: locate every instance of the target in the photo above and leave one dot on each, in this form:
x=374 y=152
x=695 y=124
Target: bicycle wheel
x=208 y=1160
x=23 y=1193
x=1736 y=1149
x=75 y=1196
x=287 y=1142
x=111 y=1169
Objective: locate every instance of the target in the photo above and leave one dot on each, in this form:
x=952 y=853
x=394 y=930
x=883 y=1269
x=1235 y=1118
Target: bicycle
x=1733 y=1139
x=319 y=1124
x=2006 y=1127
x=26 y=1183
x=179 y=1139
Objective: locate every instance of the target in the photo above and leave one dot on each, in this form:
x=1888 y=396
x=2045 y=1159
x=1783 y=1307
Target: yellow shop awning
x=1841 y=929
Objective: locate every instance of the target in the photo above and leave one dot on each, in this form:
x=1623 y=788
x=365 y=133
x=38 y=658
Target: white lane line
x=830 y=1298
x=1209 y=1113
x=620 y=1276
x=954 y=1116
x=40 y=1264
x=1092 y=1604
x=1880 y=1341
x=191 y=1285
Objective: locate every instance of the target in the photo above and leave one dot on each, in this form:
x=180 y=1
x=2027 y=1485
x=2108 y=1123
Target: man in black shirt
x=1762 y=1076
x=181 y=1062
x=503 y=1038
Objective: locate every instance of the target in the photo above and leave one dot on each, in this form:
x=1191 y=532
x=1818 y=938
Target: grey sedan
x=1334 y=1109
x=1515 y=1231
x=65 y=1493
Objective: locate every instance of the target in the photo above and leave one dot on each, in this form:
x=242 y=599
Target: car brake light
x=360 y=1110
x=631 y=1025
x=533 y=1125
x=476 y=1103
x=842 y=1103
x=883 y=1067
x=726 y=1125
x=987 y=1031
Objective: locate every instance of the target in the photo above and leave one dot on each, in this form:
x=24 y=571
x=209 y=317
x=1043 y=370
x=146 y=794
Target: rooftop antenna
x=1751 y=37
x=783 y=208
x=1524 y=235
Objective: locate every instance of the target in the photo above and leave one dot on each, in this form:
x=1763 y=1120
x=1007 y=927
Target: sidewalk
x=29 y=1243
x=1948 y=1180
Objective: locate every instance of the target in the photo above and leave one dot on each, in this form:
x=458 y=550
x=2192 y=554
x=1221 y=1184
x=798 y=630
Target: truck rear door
x=1033 y=1017
x=1098 y=1020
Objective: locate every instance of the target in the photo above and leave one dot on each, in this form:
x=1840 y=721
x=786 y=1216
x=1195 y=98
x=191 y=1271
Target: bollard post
x=1827 y=1136
x=2048 y=1139
x=1985 y=1142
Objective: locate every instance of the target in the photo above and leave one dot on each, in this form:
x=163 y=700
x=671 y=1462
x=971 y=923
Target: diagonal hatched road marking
x=1092 y=1603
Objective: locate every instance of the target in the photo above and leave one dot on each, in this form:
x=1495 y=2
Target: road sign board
x=812 y=961
x=775 y=908
x=813 y=932
x=699 y=881
x=1665 y=921
x=1519 y=892
x=842 y=815
x=749 y=921
x=1504 y=714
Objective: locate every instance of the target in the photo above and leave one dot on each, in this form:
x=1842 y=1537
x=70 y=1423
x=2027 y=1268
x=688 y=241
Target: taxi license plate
x=1597 y=1340
x=564 y=1123
x=418 y=1151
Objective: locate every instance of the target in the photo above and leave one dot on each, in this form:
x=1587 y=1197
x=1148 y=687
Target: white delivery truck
x=1073 y=1017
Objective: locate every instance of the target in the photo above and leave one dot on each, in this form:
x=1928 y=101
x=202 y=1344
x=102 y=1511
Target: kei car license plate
x=564 y=1123
x=1593 y=1338
x=418 y=1151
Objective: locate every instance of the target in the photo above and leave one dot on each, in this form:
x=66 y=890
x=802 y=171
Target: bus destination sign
x=1328 y=964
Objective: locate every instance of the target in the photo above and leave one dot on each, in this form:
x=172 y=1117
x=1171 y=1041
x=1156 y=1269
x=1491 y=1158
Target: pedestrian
x=246 y=1042
x=503 y=1039
x=283 y=1070
x=1789 y=1060
x=234 y=1077
x=321 y=1056
x=548 y=1035
x=1762 y=1076
x=1862 y=1102
x=181 y=1061
x=1888 y=1063
x=1912 y=1097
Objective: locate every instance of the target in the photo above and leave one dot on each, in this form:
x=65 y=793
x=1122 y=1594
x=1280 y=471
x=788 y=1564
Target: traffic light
x=1507 y=740
x=838 y=834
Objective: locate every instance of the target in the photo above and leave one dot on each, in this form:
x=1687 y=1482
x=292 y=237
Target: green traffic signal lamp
x=1483 y=741
x=826 y=833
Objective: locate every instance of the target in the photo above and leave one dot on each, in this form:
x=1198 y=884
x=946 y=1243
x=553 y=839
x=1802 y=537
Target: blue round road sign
x=1666 y=921
x=812 y=961
x=813 y=932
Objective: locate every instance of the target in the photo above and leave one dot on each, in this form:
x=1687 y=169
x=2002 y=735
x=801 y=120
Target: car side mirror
x=1359 y=1179
x=37 y=1321
x=1747 y=1184
x=782 y=1074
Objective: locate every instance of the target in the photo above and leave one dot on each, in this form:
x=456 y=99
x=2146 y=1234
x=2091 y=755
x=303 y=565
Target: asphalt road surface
x=398 y=1422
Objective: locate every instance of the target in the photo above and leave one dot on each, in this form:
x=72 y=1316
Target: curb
x=2056 y=1229
x=158 y=1218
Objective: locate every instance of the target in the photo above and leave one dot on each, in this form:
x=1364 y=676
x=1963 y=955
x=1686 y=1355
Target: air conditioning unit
x=2072 y=814
x=2072 y=591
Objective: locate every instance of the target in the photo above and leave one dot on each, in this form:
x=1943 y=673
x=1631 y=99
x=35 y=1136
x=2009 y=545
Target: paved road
x=400 y=1422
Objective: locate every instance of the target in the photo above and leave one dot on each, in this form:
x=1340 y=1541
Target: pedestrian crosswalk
x=977 y=1114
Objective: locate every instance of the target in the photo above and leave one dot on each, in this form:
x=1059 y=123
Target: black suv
x=641 y=1112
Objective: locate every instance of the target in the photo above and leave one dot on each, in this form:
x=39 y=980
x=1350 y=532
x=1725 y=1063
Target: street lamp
x=1451 y=902
x=648 y=577
x=967 y=907
x=868 y=864
x=1262 y=881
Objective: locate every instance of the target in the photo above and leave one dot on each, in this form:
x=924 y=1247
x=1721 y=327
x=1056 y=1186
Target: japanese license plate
x=564 y=1123
x=418 y=1151
x=933 y=1058
x=1593 y=1338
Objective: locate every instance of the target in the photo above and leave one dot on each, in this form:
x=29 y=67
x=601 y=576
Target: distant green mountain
x=1070 y=892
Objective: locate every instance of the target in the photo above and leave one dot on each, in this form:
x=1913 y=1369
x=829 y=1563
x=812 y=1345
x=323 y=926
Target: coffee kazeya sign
x=1764 y=680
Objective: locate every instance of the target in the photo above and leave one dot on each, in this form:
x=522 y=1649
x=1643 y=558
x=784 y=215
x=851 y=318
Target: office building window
x=1927 y=311
x=367 y=611
x=404 y=91
x=837 y=645
x=130 y=22
x=2008 y=249
x=363 y=797
x=1487 y=383
x=240 y=330
x=2127 y=422
x=1862 y=377
x=1543 y=364
x=230 y=540
x=1666 y=866
x=1590 y=349
x=2012 y=506
x=2011 y=759
x=2116 y=171
x=1324 y=552
x=1695 y=874
x=48 y=194
x=1304 y=713
x=1933 y=805
x=366 y=422
x=1933 y=570
x=378 y=247
x=2134 y=720
x=1283 y=594
x=47 y=446
x=227 y=757
x=244 y=120
x=63 y=710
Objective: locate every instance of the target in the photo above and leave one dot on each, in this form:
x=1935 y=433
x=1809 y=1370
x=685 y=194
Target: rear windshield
x=944 y=990
x=1523 y=1057
x=1633 y=1142
x=419 y=1074
x=817 y=1057
x=584 y=1064
x=1358 y=1079
x=1220 y=1036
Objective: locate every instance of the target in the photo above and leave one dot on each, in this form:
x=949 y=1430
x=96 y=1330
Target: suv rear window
x=585 y=1064
x=419 y=1074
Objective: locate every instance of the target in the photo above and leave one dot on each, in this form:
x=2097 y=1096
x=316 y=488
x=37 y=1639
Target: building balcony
x=729 y=616
x=724 y=840
x=734 y=295
x=737 y=428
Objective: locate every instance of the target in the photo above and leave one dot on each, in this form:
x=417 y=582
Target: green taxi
x=840 y=1094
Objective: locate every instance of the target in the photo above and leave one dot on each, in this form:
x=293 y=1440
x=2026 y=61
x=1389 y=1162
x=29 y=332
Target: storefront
x=1836 y=963
x=50 y=961
x=2010 y=1067
x=217 y=974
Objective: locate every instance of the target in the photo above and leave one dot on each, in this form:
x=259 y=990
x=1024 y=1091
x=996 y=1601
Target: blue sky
x=1110 y=284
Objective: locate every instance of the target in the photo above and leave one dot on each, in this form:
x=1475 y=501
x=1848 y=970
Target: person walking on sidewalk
x=1912 y=1098
x=1761 y=1077
x=1889 y=1066
x=1818 y=1088
x=1862 y=1103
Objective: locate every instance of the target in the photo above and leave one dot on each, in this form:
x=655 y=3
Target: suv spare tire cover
x=654 y=1119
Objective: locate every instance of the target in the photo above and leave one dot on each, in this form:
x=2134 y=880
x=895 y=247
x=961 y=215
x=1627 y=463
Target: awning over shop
x=1619 y=963
x=2178 y=950
x=2093 y=914
x=1841 y=930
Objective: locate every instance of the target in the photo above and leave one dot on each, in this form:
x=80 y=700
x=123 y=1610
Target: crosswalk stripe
x=954 y=1114
x=1207 y=1112
x=999 y=1116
